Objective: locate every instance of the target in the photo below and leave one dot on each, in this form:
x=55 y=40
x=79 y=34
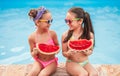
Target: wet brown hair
x=87 y=24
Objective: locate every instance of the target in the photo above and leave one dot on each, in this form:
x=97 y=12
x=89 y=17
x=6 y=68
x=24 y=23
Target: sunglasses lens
x=50 y=21
x=67 y=21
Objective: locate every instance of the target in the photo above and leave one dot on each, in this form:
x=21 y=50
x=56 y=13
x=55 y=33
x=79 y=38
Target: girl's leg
x=35 y=69
x=91 y=70
x=49 y=69
x=75 y=69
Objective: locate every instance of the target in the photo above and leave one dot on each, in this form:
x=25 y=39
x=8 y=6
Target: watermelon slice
x=81 y=45
x=48 y=49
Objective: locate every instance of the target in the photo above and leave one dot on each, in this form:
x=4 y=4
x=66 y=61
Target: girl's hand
x=71 y=52
x=34 y=52
x=87 y=52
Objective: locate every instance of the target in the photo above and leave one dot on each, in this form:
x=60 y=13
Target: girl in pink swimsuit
x=44 y=65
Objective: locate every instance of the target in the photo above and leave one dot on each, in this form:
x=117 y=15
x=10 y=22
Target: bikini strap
x=36 y=36
x=49 y=34
x=50 y=41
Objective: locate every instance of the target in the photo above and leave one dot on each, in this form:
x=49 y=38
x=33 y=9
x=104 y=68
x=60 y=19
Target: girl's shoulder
x=31 y=36
x=91 y=35
x=65 y=33
x=52 y=32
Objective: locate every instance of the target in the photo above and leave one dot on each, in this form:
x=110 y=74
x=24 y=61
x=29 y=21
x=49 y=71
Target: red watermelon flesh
x=82 y=44
x=48 y=49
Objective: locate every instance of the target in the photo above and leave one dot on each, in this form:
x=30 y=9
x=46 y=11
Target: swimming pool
x=15 y=27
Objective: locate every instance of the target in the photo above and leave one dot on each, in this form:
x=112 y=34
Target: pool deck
x=23 y=69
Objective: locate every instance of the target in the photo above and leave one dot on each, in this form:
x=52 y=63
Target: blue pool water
x=15 y=27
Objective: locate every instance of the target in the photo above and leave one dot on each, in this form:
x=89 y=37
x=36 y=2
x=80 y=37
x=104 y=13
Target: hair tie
x=39 y=13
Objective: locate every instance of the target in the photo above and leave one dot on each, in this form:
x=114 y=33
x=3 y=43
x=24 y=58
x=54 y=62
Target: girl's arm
x=65 y=47
x=54 y=37
x=31 y=44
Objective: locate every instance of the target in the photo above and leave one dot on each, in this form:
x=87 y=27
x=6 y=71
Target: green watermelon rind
x=91 y=40
x=49 y=53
